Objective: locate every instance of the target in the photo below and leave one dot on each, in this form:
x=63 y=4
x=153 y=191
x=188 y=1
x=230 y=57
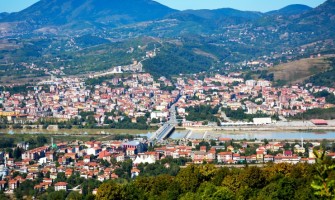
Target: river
x=179 y=134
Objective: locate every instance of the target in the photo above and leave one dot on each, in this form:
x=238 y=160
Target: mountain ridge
x=291 y=10
x=60 y=12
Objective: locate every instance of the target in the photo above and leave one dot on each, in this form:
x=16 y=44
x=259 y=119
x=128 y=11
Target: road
x=173 y=116
x=224 y=116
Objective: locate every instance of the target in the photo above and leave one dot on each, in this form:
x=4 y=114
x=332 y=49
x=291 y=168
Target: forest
x=202 y=112
x=274 y=181
x=317 y=113
x=240 y=114
x=325 y=78
x=174 y=60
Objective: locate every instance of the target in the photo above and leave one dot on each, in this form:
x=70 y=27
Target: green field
x=67 y=135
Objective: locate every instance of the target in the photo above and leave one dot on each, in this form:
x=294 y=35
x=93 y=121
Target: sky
x=250 y=5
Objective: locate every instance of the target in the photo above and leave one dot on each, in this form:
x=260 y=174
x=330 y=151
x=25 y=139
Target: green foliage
x=57 y=195
x=41 y=140
x=240 y=114
x=110 y=191
x=325 y=78
x=60 y=177
x=324 y=181
x=74 y=196
x=6 y=142
x=330 y=97
x=275 y=181
x=317 y=113
x=174 y=60
x=25 y=189
x=202 y=112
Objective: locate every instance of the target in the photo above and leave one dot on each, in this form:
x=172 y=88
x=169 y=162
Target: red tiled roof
x=61 y=184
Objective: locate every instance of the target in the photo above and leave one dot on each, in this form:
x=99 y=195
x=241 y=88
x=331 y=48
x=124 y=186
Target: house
x=230 y=148
x=236 y=157
x=114 y=176
x=198 y=157
x=298 y=149
x=61 y=186
x=260 y=156
x=332 y=155
x=135 y=172
x=223 y=157
x=105 y=155
x=120 y=157
x=131 y=151
x=2 y=185
x=138 y=146
x=268 y=158
x=276 y=147
x=288 y=153
x=93 y=151
x=203 y=148
x=148 y=157
x=13 y=184
x=87 y=159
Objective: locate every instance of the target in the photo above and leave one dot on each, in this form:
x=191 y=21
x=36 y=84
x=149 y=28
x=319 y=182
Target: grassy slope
x=300 y=70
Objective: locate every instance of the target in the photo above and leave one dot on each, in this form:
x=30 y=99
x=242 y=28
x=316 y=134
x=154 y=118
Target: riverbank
x=76 y=131
x=275 y=128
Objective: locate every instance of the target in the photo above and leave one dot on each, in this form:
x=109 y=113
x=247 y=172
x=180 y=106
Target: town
x=54 y=166
x=122 y=100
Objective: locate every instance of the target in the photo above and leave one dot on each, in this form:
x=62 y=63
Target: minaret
x=5 y=162
x=52 y=142
x=302 y=142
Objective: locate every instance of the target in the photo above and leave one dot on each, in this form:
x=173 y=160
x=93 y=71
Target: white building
x=159 y=115
x=261 y=121
x=93 y=151
x=251 y=83
x=263 y=83
x=61 y=186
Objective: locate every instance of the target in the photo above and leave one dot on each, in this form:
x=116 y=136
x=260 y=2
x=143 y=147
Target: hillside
x=294 y=9
x=108 y=12
x=216 y=14
x=300 y=70
x=325 y=78
x=220 y=39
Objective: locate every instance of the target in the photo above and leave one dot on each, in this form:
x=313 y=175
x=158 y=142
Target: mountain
x=108 y=12
x=321 y=15
x=220 y=39
x=3 y=15
x=294 y=9
x=224 y=12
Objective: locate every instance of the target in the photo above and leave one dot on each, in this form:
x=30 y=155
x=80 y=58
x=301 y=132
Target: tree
x=57 y=195
x=189 y=178
x=41 y=140
x=141 y=120
x=223 y=193
x=254 y=177
x=110 y=191
x=155 y=121
x=74 y=196
x=17 y=153
x=324 y=181
x=60 y=177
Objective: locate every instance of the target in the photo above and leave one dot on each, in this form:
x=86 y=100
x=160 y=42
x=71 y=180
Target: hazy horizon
x=247 y=5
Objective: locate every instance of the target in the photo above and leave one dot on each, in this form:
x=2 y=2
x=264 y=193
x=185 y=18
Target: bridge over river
x=163 y=132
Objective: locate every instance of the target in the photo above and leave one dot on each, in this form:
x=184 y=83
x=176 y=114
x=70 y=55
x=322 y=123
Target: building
x=3 y=169
x=224 y=157
x=319 y=122
x=61 y=186
x=260 y=121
